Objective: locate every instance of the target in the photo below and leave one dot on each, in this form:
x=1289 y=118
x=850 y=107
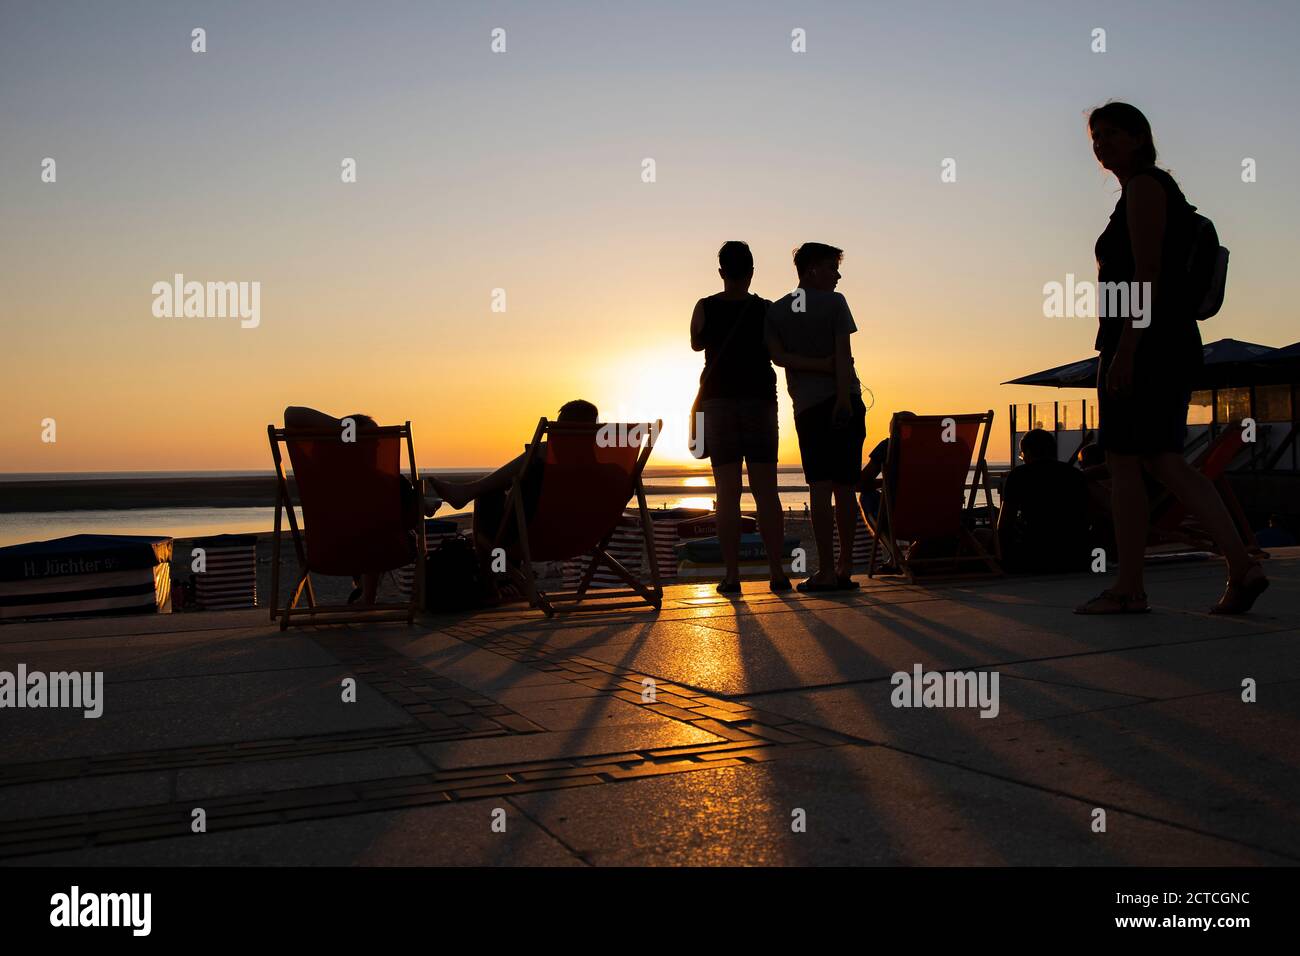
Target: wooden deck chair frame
x=311 y=612
x=979 y=554
x=551 y=601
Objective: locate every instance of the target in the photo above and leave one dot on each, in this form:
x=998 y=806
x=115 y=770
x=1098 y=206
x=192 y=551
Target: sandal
x=1115 y=602
x=729 y=587
x=1240 y=595
x=780 y=585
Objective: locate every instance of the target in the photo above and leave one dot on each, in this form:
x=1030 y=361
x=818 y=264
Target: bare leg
x=1199 y=496
x=771 y=521
x=460 y=493
x=846 y=520
x=823 y=521
x=1128 y=505
x=726 y=479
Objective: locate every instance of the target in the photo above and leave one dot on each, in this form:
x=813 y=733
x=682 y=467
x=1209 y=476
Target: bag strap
x=709 y=367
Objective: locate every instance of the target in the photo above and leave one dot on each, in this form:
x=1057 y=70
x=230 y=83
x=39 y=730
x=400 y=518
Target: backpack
x=453 y=576
x=1207 y=268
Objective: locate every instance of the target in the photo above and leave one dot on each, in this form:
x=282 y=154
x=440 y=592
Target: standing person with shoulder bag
x=734 y=416
x=1155 y=241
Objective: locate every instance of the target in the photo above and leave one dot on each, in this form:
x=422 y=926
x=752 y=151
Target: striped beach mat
x=86 y=575
x=627 y=546
x=436 y=530
x=229 y=578
x=861 y=544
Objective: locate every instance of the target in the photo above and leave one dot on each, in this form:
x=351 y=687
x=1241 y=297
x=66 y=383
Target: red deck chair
x=591 y=472
x=352 y=518
x=925 y=484
x=1169 y=519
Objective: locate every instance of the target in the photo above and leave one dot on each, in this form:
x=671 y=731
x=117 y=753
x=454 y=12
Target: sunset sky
x=522 y=171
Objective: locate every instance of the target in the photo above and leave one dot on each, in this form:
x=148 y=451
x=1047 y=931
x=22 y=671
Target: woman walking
x=1148 y=364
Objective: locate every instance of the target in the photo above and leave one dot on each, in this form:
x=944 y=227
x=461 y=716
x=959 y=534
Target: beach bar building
x=1240 y=380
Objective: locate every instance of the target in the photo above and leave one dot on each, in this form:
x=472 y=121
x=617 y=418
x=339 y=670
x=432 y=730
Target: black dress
x=1152 y=418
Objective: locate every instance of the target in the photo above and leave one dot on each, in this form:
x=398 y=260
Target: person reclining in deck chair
x=869 y=497
x=1043 y=524
x=364 y=586
x=489 y=492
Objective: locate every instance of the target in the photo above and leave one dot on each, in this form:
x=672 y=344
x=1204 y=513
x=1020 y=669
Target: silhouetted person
x=1043 y=521
x=489 y=493
x=814 y=322
x=738 y=407
x=365 y=587
x=869 y=496
x=1145 y=375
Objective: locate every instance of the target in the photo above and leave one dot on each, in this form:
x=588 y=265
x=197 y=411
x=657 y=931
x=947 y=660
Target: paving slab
x=49 y=798
x=440 y=835
x=494 y=751
x=594 y=713
x=169 y=654
x=265 y=776
x=862 y=806
x=254 y=619
x=177 y=712
x=1209 y=762
x=1178 y=671
x=866 y=710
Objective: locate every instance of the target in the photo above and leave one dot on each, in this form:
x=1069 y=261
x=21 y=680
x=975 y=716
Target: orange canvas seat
x=353 y=519
x=924 y=487
x=590 y=473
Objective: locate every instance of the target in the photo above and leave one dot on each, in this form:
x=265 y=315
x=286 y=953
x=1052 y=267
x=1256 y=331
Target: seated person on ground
x=366 y=585
x=1043 y=521
x=489 y=493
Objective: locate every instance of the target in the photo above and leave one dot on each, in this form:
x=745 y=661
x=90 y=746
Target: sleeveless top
x=1173 y=336
x=745 y=370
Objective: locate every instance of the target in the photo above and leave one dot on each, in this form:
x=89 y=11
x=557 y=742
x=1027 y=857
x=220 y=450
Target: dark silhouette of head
x=736 y=264
x=1038 y=445
x=362 y=420
x=1121 y=137
x=818 y=265
x=1091 y=455
x=579 y=410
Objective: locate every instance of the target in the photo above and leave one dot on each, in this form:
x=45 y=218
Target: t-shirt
x=1050 y=523
x=741 y=368
x=811 y=333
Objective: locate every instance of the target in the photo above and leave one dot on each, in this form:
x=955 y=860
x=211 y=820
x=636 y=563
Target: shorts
x=736 y=428
x=832 y=452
